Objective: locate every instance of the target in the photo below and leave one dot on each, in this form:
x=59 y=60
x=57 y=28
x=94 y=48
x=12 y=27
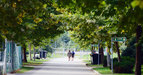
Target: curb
x=97 y=73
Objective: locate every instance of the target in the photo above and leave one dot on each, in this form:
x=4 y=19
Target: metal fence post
x=4 y=62
x=98 y=52
x=112 y=55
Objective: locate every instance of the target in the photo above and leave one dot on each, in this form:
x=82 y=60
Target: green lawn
x=25 y=69
x=35 y=63
x=86 y=58
x=27 y=66
x=40 y=61
x=101 y=69
x=107 y=71
x=57 y=55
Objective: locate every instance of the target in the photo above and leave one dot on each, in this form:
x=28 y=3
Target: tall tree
x=138 y=50
x=128 y=13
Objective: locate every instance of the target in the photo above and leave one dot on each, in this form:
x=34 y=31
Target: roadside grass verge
x=107 y=71
x=29 y=65
x=25 y=69
x=104 y=70
x=35 y=63
x=40 y=61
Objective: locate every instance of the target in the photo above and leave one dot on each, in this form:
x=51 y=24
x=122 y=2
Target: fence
x=13 y=57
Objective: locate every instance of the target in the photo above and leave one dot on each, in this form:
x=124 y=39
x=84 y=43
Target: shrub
x=125 y=66
x=131 y=49
x=114 y=60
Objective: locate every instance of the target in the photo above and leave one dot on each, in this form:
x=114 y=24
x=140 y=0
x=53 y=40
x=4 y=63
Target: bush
x=114 y=60
x=125 y=66
x=131 y=50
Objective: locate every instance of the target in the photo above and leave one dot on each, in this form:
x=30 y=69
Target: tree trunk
x=101 y=52
x=138 y=51
x=34 y=52
x=118 y=51
x=92 y=48
x=24 y=53
x=108 y=58
x=30 y=51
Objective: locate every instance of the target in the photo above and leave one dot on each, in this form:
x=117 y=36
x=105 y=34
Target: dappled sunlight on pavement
x=60 y=66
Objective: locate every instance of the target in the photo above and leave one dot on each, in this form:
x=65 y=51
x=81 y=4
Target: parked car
x=37 y=56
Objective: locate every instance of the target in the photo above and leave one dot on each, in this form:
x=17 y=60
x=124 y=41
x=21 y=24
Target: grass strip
x=107 y=71
x=25 y=69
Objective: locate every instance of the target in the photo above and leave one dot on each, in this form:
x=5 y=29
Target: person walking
x=73 y=53
x=69 y=54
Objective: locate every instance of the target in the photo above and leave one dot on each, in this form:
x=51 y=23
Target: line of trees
x=91 y=21
x=28 y=22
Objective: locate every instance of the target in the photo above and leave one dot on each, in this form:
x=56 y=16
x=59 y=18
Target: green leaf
x=141 y=4
x=45 y=5
x=135 y=3
x=103 y=3
x=3 y=0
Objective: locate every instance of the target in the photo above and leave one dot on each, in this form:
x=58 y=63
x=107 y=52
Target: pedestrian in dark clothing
x=73 y=53
x=69 y=54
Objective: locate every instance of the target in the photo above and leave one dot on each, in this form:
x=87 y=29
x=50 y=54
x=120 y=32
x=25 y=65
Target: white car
x=37 y=56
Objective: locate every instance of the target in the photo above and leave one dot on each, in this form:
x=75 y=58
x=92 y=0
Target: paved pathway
x=60 y=66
